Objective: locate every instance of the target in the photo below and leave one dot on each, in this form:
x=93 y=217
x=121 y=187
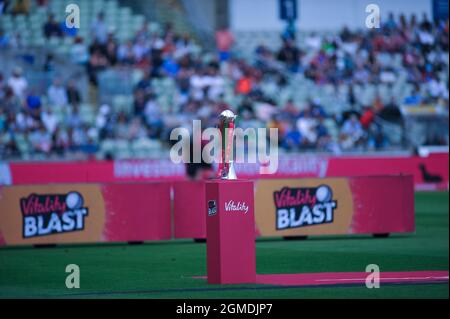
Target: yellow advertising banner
x=294 y=207
x=51 y=214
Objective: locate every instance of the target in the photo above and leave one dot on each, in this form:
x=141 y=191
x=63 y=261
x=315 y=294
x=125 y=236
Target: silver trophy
x=226 y=127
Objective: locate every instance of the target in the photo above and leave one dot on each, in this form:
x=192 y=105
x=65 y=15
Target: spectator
x=49 y=120
x=324 y=140
x=390 y=24
x=33 y=102
x=15 y=41
x=136 y=129
x=170 y=66
x=79 y=137
x=79 y=52
x=290 y=111
x=97 y=62
x=292 y=139
x=145 y=84
x=224 y=42
x=4 y=39
x=49 y=64
x=52 y=28
x=289 y=55
x=10 y=102
x=74 y=121
x=378 y=104
x=321 y=130
x=140 y=49
x=153 y=118
x=437 y=88
x=367 y=117
x=313 y=42
x=415 y=98
x=72 y=93
x=121 y=127
x=351 y=133
x=183 y=46
x=125 y=53
x=244 y=84
x=18 y=83
x=41 y=140
x=265 y=110
x=57 y=94
x=111 y=49
x=99 y=29
x=306 y=125
x=61 y=141
x=139 y=102
x=104 y=122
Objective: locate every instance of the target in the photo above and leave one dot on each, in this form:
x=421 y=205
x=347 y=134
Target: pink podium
x=230 y=232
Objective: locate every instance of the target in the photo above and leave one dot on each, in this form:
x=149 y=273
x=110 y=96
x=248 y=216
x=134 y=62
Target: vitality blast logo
x=299 y=207
x=52 y=213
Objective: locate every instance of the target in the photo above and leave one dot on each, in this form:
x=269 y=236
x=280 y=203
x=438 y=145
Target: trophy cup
x=226 y=127
x=230 y=229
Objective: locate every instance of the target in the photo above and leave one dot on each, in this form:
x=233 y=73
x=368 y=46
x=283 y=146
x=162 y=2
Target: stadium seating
x=116 y=85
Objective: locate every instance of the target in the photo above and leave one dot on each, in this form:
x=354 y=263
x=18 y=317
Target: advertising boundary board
x=314 y=206
x=84 y=213
x=289 y=207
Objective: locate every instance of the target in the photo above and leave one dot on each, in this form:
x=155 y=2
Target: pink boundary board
x=294 y=166
x=349 y=278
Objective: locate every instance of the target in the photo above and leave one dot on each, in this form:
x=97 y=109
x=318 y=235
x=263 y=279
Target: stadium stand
x=115 y=87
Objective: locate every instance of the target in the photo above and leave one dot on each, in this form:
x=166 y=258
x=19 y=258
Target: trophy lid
x=227 y=115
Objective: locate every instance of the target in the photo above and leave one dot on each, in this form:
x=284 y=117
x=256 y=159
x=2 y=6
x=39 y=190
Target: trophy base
x=229 y=174
x=230 y=232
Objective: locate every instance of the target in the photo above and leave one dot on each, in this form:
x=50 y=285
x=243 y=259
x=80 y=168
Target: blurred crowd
x=350 y=57
x=359 y=57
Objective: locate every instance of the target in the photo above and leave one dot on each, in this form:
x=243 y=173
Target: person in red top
x=244 y=85
x=367 y=117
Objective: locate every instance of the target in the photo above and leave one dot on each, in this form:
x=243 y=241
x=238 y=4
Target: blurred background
x=115 y=87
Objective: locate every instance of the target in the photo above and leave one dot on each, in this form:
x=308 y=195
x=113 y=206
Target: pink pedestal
x=230 y=231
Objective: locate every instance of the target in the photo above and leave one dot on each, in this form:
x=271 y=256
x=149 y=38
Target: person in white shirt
x=351 y=132
x=125 y=52
x=140 y=49
x=437 y=88
x=79 y=51
x=57 y=94
x=49 y=120
x=313 y=41
x=306 y=126
x=18 y=83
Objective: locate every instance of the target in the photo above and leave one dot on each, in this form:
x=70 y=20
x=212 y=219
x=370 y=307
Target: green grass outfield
x=165 y=269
